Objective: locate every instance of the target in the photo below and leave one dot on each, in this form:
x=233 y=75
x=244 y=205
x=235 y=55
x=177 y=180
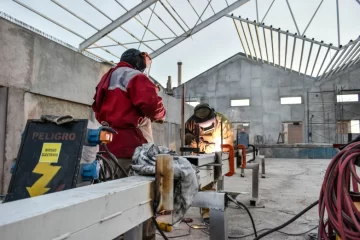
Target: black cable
x=247 y=210
x=288 y=222
x=158 y=228
x=102 y=174
x=106 y=166
x=285 y=233
x=113 y=158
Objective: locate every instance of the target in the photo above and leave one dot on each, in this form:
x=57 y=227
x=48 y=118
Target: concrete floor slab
x=290 y=186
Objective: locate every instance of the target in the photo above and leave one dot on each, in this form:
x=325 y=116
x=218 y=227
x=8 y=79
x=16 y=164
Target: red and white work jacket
x=127 y=100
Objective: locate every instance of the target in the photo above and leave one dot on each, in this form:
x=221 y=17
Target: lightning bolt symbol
x=48 y=172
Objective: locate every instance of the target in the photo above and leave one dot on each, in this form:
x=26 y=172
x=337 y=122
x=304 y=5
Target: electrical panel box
x=48 y=159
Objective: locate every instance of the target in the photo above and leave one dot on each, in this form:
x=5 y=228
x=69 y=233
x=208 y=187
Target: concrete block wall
x=241 y=78
x=40 y=77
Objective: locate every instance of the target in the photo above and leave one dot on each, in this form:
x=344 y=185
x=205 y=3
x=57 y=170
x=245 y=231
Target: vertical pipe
x=308 y=116
x=255 y=181
x=262 y=166
x=338 y=21
x=292 y=57
x=307 y=64
x=286 y=47
x=267 y=55
x=272 y=44
x=301 y=57
x=317 y=56
x=179 y=73
x=182 y=116
x=257 y=11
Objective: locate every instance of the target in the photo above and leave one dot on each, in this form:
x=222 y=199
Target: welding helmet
x=139 y=60
x=205 y=116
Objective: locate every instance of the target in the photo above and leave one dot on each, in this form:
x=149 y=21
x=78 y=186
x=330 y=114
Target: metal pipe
x=301 y=57
x=317 y=55
x=116 y=45
x=327 y=52
x=128 y=32
x=258 y=39
x=349 y=54
x=247 y=43
x=284 y=32
x=212 y=7
x=62 y=26
x=293 y=17
x=353 y=58
x=313 y=17
x=262 y=166
x=307 y=64
x=194 y=10
x=252 y=41
x=165 y=23
x=267 y=11
x=338 y=20
x=175 y=13
x=238 y=32
x=179 y=73
x=279 y=42
x=255 y=179
x=173 y=16
x=292 y=57
x=335 y=64
x=145 y=26
x=330 y=63
x=272 y=45
x=257 y=11
x=182 y=116
x=86 y=22
x=200 y=17
x=267 y=55
x=286 y=47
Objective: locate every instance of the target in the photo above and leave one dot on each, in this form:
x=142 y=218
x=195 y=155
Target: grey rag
x=186 y=183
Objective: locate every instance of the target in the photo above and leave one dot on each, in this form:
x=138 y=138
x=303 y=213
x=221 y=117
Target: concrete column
x=179 y=73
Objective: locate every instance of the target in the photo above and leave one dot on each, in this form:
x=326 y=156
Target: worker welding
x=97 y=140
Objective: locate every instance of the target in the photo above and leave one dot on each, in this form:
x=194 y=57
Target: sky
x=202 y=50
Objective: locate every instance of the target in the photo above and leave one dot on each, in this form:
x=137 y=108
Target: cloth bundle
x=186 y=183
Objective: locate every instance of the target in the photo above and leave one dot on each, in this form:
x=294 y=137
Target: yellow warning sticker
x=50 y=152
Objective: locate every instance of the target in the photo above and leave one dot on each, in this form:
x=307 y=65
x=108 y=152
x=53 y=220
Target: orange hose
x=231 y=159
x=243 y=165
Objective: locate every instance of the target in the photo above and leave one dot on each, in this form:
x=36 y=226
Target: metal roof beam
x=199 y=27
x=119 y=21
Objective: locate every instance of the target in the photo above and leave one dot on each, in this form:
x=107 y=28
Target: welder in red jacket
x=128 y=101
